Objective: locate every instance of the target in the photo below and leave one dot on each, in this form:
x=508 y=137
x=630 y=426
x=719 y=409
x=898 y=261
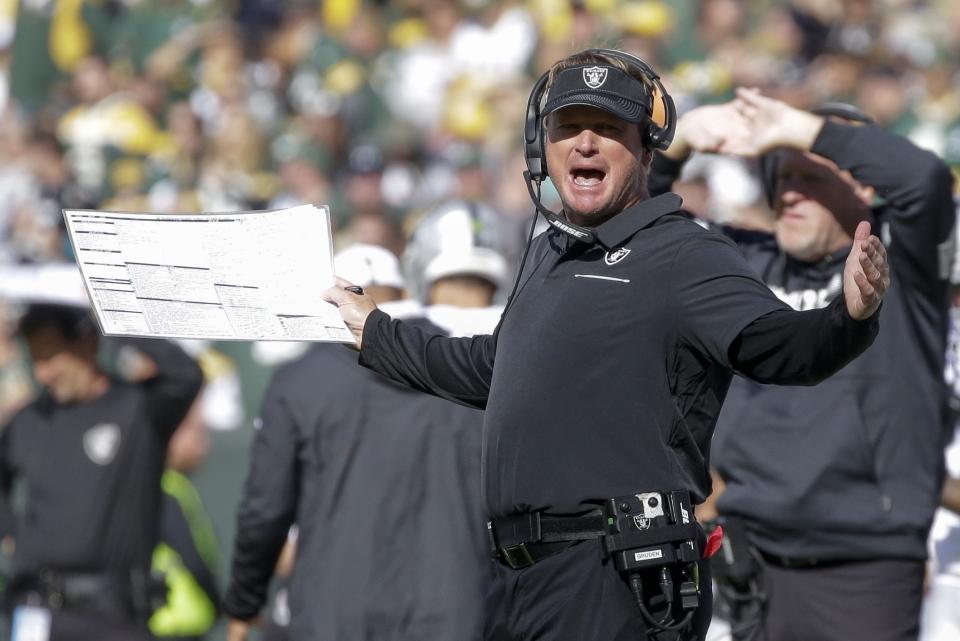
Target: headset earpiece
x=662 y=124
x=533 y=132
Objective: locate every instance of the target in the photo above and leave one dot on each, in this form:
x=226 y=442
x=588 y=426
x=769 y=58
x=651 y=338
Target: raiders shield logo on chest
x=615 y=256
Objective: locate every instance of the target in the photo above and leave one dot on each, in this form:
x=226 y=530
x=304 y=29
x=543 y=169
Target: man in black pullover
x=607 y=371
x=837 y=483
x=90 y=451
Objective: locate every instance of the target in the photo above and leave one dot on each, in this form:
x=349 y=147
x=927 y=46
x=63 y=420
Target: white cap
x=54 y=283
x=457 y=238
x=473 y=261
x=367 y=265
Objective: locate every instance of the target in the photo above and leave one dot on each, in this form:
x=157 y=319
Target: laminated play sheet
x=251 y=275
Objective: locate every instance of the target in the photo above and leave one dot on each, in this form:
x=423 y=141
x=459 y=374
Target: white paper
x=253 y=275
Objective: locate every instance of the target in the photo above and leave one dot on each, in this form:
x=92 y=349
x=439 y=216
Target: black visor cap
x=601 y=86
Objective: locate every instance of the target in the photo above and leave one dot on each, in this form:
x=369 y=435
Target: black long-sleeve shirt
x=92 y=470
x=606 y=375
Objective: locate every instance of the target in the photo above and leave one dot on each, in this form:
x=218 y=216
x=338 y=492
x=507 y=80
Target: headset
x=658 y=129
x=768 y=164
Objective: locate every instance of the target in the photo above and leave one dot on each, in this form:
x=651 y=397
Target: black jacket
x=852 y=467
x=384 y=486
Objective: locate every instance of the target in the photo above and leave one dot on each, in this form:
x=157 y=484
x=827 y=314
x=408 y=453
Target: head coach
x=604 y=378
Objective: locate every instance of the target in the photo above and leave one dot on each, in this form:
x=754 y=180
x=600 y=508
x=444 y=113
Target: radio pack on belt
x=654 y=541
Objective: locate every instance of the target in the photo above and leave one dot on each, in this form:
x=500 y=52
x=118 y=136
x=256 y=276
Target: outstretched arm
x=803 y=348
x=458 y=369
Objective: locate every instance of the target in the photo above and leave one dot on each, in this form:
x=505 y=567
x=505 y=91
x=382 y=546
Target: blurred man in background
x=837 y=483
x=382 y=483
x=90 y=452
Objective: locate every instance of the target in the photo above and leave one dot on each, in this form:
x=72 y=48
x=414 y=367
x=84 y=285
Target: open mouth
x=587 y=177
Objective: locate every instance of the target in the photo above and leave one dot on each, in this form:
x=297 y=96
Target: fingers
x=749 y=102
x=746 y=109
x=340 y=295
x=873 y=260
x=874 y=278
x=749 y=95
x=870 y=270
x=336 y=295
x=867 y=291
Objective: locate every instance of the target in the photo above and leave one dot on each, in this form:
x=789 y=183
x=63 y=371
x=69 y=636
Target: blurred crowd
x=385 y=110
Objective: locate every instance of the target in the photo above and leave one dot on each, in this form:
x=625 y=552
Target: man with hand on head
x=91 y=451
x=604 y=378
x=836 y=484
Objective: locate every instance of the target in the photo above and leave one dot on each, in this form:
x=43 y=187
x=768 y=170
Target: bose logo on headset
x=604 y=86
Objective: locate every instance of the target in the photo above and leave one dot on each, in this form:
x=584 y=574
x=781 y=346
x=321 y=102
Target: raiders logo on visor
x=607 y=88
x=594 y=77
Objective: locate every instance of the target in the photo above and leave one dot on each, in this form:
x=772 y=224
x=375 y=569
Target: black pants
x=876 y=600
x=574 y=596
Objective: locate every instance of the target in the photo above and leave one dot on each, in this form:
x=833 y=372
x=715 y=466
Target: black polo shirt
x=610 y=365
x=612 y=362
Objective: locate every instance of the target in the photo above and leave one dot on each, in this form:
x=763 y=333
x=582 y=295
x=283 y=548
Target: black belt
x=520 y=540
x=95 y=592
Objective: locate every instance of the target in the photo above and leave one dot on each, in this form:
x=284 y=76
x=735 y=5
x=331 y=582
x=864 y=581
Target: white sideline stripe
x=619 y=280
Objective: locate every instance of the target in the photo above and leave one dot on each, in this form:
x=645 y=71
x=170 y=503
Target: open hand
x=354 y=308
x=706 y=129
x=768 y=123
x=866 y=274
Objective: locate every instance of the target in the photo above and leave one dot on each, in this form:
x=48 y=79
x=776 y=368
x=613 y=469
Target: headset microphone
x=576 y=231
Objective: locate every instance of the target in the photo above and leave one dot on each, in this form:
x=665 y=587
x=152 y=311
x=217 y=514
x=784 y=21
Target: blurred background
x=383 y=110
